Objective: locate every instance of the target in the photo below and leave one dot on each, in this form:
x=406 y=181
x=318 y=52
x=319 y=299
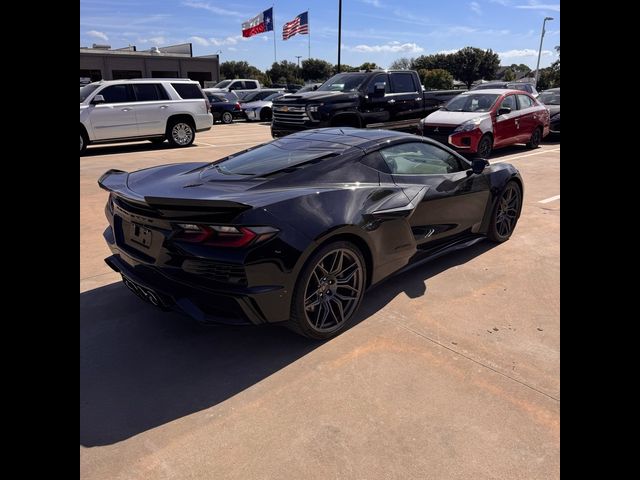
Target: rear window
x=267 y=159
x=188 y=90
x=250 y=84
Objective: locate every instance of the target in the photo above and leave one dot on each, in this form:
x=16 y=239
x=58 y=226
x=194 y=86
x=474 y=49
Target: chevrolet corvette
x=294 y=231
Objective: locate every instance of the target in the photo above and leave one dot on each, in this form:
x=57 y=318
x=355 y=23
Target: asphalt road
x=451 y=370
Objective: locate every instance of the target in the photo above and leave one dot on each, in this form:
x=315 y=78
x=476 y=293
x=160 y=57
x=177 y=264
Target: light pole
x=339 y=31
x=298 y=57
x=540 y=49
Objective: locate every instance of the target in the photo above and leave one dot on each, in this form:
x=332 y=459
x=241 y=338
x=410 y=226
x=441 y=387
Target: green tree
x=430 y=62
x=344 y=68
x=316 y=70
x=521 y=68
x=555 y=68
x=436 y=79
x=403 y=63
x=284 y=72
x=509 y=75
x=368 y=66
x=232 y=69
x=489 y=64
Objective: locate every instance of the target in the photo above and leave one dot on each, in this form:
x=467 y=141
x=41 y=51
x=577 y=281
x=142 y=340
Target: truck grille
x=219 y=272
x=293 y=114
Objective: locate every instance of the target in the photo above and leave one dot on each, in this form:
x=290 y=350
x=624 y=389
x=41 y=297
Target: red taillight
x=223 y=236
x=237 y=107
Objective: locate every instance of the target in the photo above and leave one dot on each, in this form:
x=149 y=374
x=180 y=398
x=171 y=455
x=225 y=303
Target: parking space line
x=550 y=199
x=527 y=155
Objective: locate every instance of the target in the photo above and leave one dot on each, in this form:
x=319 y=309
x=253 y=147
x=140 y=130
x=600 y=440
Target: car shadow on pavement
x=97 y=150
x=141 y=368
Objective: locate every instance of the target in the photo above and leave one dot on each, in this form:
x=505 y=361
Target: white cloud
x=230 y=40
x=200 y=41
x=393 y=47
x=97 y=34
x=525 y=52
x=449 y=52
x=375 y=3
x=213 y=9
x=153 y=40
x=232 y=49
x=475 y=7
x=533 y=5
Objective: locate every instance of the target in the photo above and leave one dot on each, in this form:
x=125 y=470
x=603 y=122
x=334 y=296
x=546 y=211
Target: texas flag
x=258 y=24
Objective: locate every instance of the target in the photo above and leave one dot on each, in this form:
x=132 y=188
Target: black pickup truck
x=392 y=99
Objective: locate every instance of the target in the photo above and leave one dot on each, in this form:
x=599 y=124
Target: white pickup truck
x=237 y=85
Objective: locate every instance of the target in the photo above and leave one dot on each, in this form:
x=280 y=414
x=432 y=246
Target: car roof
x=144 y=80
x=495 y=91
x=555 y=89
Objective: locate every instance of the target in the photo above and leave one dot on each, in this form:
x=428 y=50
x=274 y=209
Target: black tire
x=157 y=141
x=227 y=118
x=485 y=146
x=328 y=294
x=180 y=133
x=505 y=214
x=83 y=142
x=536 y=137
x=265 y=114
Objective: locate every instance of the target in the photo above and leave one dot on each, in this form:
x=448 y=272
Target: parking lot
x=451 y=370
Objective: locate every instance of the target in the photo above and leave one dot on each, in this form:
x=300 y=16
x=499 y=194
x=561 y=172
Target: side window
x=251 y=85
x=509 y=102
x=188 y=90
x=146 y=92
x=419 y=159
x=525 y=101
x=116 y=94
x=402 y=83
x=382 y=77
x=162 y=93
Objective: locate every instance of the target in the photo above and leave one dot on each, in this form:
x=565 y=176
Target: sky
x=379 y=31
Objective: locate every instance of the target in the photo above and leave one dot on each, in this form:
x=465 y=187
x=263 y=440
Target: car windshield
x=266 y=159
x=344 y=82
x=86 y=91
x=223 y=84
x=550 y=98
x=474 y=102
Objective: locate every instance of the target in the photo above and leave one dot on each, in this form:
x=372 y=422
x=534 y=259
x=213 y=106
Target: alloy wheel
x=484 y=149
x=181 y=133
x=508 y=208
x=333 y=290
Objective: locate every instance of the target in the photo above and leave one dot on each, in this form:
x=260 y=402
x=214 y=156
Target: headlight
x=314 y=108
x=469 y=125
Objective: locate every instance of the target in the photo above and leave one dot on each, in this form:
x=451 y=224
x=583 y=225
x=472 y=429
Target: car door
x=454 y=202
x=152 y=108
x=375 y=108
x=505 y=130
x=405 y=100
x=526 y=117
x=116 y=117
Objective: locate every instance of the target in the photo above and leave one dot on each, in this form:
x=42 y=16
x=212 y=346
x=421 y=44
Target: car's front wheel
x=485 y=145
x=329 y=291
x=83 y=142
x=227 y=117
x=505 y=214
x=180 y=133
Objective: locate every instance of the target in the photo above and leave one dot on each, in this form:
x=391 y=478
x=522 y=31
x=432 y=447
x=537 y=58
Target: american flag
x=300 y=25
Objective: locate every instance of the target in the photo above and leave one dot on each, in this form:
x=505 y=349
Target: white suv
x=143 y=109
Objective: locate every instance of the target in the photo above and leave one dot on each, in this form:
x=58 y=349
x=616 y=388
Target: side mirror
x=97 y=99
x=379 y=87
x=503 y=111
x=478 y=165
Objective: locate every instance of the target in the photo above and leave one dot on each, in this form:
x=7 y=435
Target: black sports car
x=295 y=230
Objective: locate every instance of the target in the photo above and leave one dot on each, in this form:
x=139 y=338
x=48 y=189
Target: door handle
x=391 y=101
x=164 y=106
x=126 y=109
x=418 y=98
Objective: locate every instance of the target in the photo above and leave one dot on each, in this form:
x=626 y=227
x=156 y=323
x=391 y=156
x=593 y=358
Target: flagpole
x=309 y=33
x=275 y=60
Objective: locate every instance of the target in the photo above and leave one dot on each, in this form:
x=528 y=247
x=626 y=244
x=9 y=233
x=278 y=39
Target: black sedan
x=225 y=106
x=294 y=231
x=551 y=100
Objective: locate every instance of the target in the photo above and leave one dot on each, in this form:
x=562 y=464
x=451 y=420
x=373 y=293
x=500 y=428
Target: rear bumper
x=205 y=301
x=204 y=122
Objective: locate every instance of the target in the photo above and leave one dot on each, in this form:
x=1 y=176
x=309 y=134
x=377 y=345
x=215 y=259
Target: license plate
x=141 y=235
x=143 y=292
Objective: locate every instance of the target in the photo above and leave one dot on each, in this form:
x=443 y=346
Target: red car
x=478 y=121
